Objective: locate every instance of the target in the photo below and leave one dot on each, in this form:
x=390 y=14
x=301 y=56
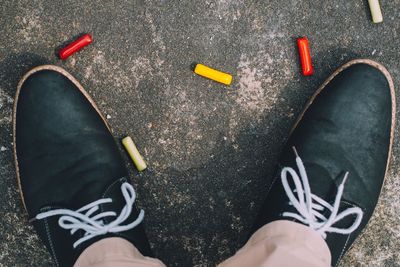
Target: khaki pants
x=277 y=244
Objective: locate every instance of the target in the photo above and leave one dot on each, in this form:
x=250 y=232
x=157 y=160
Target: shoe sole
x=14 y=115
x=393 y=98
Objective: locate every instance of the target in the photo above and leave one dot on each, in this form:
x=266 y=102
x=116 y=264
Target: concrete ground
x=211 y=149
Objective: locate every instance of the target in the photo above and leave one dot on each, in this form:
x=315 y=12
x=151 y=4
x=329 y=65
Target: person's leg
x=330 y=174
x=72 y=179
x=282 y=243
x=115 y=252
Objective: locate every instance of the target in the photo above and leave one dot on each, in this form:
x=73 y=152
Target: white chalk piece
x=376 y=11
x=134 y=153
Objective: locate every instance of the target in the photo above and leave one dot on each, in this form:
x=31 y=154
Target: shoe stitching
x=47 y=208
x=272 y=184
x=343 y=251
x=111 y=185
x=348 y=237
x=351 y=204
x=269 y=190
x=53 y=252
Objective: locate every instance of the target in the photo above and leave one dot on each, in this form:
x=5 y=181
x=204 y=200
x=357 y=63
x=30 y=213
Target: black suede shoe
x=333 y=166
x=72 y=179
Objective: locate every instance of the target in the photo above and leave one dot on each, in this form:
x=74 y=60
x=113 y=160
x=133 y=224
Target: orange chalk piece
x=213 y=74
x=305 y=56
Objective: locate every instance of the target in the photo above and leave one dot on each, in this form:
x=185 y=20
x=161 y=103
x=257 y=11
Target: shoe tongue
x=114 y=192
x=320 y=179
x=118 y=202
x=321 y=182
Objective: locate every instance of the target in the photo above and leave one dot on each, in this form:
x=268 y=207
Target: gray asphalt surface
x=211 y=149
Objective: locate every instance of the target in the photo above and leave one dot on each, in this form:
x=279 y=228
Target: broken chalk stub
x=75 y=46
x=376 y=11
x=134 y=153
x=305 y=56
x=213 y=74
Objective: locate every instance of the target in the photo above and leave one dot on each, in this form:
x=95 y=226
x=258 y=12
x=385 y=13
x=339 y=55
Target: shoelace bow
x=310 y=206
x=82 y=218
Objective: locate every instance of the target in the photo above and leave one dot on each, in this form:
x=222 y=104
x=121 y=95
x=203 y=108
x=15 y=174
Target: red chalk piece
x=305 y=56
x=75 y=46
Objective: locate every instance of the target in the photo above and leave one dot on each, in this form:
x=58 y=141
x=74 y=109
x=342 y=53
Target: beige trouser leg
x=282 y=244
x=114 y=252
x=277 y=244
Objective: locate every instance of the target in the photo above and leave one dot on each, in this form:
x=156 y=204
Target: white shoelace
x=310 y=206
x=82 y=218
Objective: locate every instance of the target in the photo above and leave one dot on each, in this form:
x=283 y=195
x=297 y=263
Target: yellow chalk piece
x=376 y=11
x=134 y=153
x=212 y=74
